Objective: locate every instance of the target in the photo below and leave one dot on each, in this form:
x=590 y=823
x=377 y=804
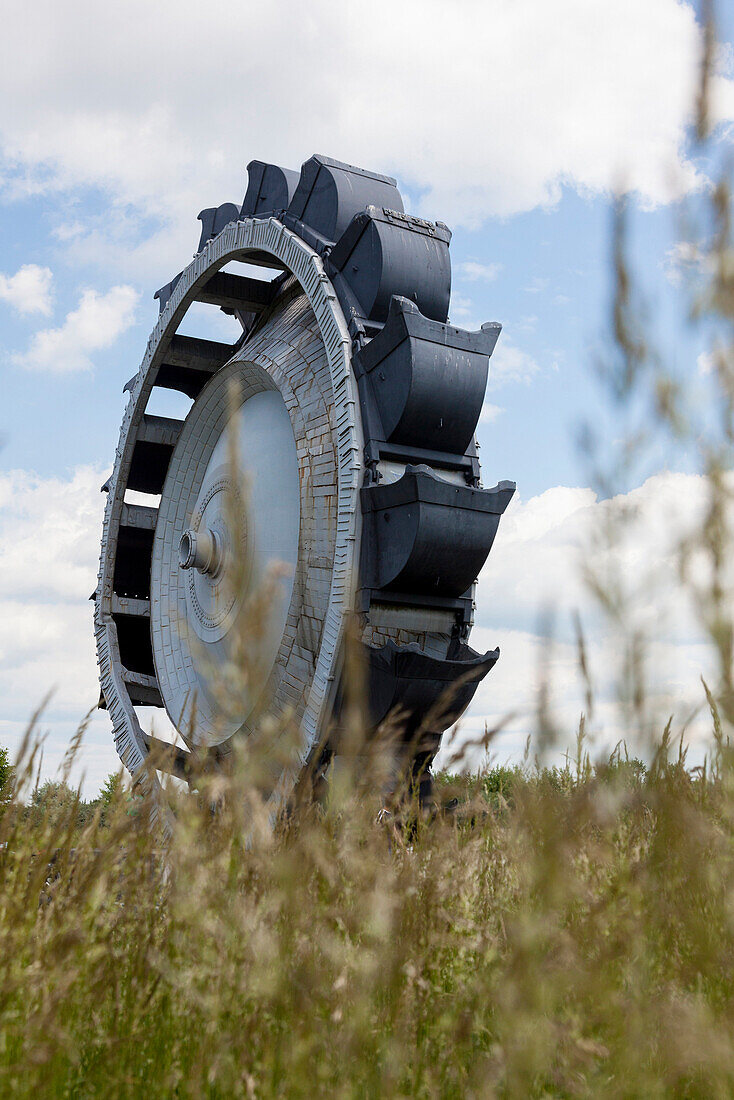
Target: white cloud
x=526 y=98
x=45 y=521
x=94 y=325
x=29 y=290
x=475 y=272
x=462 y=312
x=67 y=231
x=49 y=544
x=542 y=544
x=706 y=362
x=510 y=363
x=533 y=583
x=489 y=413
x=683 y=261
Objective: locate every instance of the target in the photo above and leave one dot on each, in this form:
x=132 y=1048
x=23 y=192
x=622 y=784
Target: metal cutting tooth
x=355 y=423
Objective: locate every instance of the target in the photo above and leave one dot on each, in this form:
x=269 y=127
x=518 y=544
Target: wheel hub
x=205 y=551
x=201 y=550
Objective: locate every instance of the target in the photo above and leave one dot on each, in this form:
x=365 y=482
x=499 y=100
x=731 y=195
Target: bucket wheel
x=354 y=422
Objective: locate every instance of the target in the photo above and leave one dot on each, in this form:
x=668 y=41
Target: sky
x=513 y=121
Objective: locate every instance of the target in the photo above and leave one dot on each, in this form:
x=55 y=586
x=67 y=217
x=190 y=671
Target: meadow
x=558 y=932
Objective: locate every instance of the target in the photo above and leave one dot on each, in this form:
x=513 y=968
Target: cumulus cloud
x=67 y=231
x=29 y=290
x=510 y=363
x=49 y=541
x=685 y=260
x=516 y=101
x=475 y=272
x=533 y=585
x=489 y=413
x=543 y=545
x=94 y=325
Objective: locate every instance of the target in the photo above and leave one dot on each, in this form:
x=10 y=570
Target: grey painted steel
x=269 y=189
x=384 y=252
x=190 y=362
x=383 y=397
x=427 y=536
x=427 y=380
x=406 y=677
x=195 y=614
x=237 y=293
x=165 y=292
x=214 y=219
x=330 y=193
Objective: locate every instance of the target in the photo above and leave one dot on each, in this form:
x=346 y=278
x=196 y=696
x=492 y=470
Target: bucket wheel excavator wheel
x=355 y=419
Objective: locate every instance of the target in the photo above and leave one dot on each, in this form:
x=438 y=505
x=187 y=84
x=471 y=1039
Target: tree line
x=53 y=797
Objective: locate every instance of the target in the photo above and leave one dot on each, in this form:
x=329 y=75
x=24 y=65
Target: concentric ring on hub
x=235 y=526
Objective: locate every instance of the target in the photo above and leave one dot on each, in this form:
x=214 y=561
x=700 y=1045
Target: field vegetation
x=564 y=931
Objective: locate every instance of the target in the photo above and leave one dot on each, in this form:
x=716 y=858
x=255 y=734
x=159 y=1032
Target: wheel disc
x=219 y=534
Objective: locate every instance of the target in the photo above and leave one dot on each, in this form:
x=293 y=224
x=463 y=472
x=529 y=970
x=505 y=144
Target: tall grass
x=569 y=932
x=557 y=932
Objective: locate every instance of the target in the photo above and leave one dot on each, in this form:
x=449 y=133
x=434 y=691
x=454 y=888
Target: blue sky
x=544 y=274
x=117 y=127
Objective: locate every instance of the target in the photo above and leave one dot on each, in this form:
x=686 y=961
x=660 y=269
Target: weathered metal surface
x=387 y=518
x=269 y=189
